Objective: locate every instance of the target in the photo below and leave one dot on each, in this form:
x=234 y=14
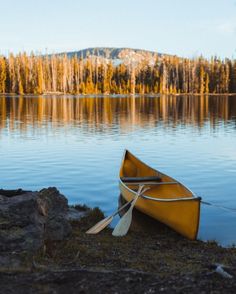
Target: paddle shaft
x=98 y=227
x=121 y=208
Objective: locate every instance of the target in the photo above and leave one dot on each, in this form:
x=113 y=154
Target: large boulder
x=28 y=218
x=54 y=207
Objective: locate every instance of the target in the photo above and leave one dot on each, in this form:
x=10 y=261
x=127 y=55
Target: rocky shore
x=44 y=249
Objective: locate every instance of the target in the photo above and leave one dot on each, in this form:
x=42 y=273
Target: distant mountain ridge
x=127 y=56
x=109 y=52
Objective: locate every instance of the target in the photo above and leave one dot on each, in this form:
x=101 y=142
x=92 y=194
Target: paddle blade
x=100 y=225
x=123 y=225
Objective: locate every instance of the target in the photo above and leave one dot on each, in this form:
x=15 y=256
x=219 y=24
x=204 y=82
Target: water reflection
x=20 y=112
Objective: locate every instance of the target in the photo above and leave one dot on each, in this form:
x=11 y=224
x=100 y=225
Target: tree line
x=31 y=74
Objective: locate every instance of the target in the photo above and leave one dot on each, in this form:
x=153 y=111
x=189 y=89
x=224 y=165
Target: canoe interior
x=133 y=167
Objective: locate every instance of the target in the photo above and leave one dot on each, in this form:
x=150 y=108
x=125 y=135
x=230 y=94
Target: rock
x=57 y=228
x=54 y=206
x=21 y=223
x=51 y=202
x=74 y=214
x=28 y=218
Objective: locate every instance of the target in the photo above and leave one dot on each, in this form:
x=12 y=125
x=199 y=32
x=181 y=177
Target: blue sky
x=183 y=27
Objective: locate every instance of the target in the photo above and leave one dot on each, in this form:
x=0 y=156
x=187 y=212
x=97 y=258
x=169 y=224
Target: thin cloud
x=227 y=28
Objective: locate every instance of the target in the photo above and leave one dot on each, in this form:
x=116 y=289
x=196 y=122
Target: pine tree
x=3 y=74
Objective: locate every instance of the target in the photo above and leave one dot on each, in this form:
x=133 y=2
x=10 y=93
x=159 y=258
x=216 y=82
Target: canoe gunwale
x=194 y=198
x=171 y=199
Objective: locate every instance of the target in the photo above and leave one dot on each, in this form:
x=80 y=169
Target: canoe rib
x=174 y=205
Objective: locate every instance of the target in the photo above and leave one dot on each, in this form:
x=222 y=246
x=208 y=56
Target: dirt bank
x=150 y=259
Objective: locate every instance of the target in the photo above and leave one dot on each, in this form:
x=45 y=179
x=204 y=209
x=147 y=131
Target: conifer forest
x=38 y=74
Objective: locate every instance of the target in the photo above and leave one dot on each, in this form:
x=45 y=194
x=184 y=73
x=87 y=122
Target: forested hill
x=115 y=71
x=110 y=53
x=115 y=55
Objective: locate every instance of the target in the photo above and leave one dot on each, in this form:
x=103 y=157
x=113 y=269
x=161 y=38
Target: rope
x=219 y=206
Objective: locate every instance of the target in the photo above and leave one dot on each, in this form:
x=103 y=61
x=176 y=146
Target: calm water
x=76 y=144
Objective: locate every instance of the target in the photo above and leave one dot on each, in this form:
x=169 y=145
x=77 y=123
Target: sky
x=187 y=28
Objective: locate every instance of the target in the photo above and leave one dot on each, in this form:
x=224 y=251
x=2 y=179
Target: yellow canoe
x=167 y=200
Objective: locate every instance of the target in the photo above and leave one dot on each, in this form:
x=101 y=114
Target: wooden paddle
x=124 y=223
x=98 y=227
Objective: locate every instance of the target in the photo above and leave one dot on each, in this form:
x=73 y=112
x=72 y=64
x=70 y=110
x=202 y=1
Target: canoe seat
x=140 y=179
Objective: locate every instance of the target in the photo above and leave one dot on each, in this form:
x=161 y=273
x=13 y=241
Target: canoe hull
x=180 y=214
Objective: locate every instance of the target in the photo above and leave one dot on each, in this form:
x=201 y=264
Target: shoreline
x=151 y=258
x=116 y=95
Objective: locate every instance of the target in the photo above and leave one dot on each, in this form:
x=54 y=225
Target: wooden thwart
x=140 y=179
x=153 y=183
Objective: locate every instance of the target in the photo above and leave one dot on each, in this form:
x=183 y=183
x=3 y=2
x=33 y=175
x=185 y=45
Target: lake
x=76 y=144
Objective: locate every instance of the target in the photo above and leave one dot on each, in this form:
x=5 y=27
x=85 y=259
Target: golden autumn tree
x=3 y=74
x=165 y=74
